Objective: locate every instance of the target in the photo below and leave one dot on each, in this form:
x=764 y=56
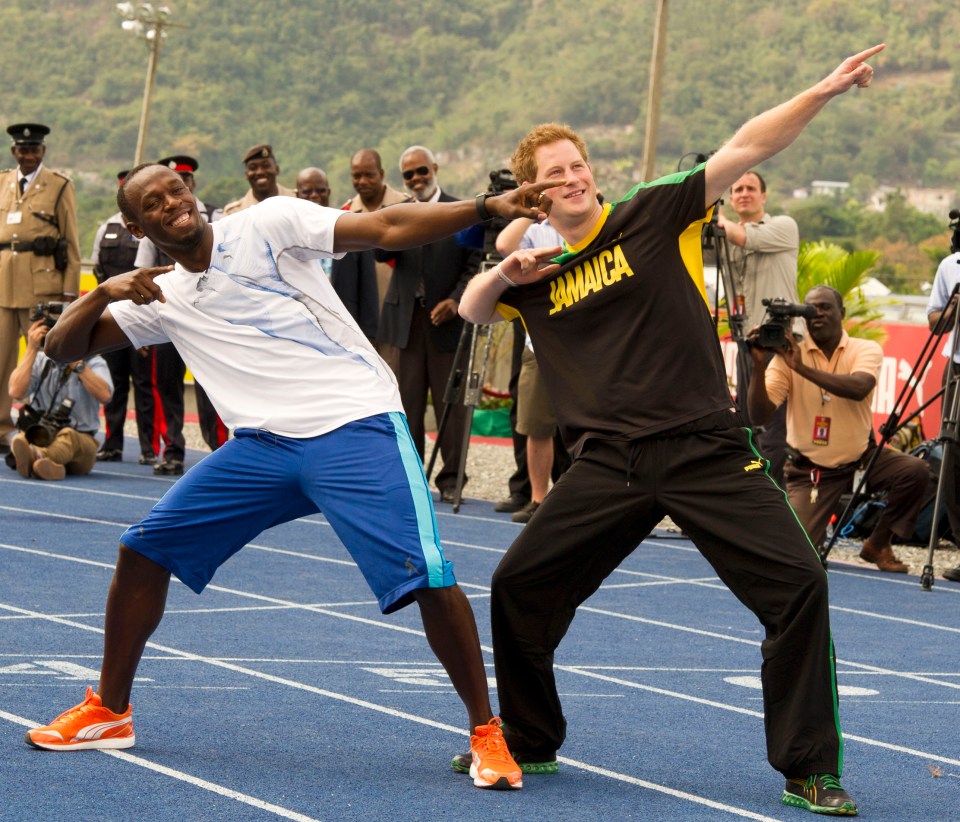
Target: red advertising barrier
x=901 y=351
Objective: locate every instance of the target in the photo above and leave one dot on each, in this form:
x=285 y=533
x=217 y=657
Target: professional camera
x=41 y=427
x=777 y=322
x=48 y=312
x=501 y=180
x=954 y=226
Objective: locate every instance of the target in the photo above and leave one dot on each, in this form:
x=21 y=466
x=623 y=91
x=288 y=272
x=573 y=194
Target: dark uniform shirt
x=624 y=339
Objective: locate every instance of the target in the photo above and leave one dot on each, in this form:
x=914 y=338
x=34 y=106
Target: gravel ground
x=489 y=467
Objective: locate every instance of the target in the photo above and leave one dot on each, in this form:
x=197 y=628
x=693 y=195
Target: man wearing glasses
x=420 y=318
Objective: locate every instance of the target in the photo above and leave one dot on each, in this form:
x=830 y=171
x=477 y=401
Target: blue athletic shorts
x=365 y=477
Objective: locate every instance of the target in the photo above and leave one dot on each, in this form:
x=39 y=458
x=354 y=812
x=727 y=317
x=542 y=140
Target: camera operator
x=763 y=262
x=86 y=383
x=827 y=381
x=947 y=277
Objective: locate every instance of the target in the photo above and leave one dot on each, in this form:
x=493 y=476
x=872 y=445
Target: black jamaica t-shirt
x=623 y=337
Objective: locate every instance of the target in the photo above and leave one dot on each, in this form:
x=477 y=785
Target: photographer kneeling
x=57 y=427
x=828 y=381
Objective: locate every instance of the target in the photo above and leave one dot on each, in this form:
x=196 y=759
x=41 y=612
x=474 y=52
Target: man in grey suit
x=420 y=318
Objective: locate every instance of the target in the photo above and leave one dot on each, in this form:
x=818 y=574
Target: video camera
x=954 y=226
x=777 y=322
x=501 y=180
x=41 y=427
x=48 y=312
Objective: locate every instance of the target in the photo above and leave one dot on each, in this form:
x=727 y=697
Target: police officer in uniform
x=115 y=252
x=261 y=170
x=39 y=248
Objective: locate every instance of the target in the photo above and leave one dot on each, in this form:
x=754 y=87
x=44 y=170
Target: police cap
x=258 y=152
x=180 y=163
x=28 y=134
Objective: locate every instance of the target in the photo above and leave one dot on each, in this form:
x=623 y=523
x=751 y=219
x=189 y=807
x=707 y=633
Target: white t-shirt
x=262 y=328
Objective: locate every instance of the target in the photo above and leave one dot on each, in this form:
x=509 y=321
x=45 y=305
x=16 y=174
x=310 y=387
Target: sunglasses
x=421 y=171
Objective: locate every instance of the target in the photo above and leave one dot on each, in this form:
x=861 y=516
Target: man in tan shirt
x=827 y=381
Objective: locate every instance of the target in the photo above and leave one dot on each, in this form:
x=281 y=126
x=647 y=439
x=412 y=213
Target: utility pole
x=653 y=97
x=148 y=23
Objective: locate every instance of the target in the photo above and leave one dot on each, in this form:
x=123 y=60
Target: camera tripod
x=948 y=436
x=464 y=385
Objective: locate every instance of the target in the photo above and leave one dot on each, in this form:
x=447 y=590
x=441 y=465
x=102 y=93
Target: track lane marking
x=196 y=781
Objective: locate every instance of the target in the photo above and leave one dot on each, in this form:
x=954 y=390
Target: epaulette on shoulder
x=62 y=176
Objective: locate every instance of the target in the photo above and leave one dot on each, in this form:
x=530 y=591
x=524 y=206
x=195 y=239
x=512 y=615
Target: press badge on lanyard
x=821 y=430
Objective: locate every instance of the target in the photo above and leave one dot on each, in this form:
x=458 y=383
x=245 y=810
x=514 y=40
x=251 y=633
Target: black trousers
x=128 y=365
x=168 y=373
x=422 y=367
x=713 y=486
x=212 y=429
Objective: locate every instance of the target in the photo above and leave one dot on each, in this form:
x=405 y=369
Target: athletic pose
x=631 y=360
x=318 y=422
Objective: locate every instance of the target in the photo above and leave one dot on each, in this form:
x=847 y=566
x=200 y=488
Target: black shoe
x=169 y=467
x=524 y=514
x=953 y=574
x=447 y=495
x=819 y=793
x=4 y=447
x=109 y=455
x=511 y=504
x=538 y=765
x=148 y=459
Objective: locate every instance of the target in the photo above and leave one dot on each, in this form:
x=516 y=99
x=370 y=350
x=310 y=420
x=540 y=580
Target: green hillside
x=319 y=79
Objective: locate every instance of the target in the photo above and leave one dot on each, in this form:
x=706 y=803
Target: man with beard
x=420 y=319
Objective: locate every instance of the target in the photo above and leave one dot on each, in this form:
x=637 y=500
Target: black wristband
x=481 y=201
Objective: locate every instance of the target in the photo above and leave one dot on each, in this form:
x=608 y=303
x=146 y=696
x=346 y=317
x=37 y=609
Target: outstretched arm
x=771 y=132
x=408 y=225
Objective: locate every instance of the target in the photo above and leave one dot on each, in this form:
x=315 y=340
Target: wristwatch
x=79 y=369
x=481 y=201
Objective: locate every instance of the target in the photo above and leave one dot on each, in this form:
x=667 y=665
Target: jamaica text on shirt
x=593 y=274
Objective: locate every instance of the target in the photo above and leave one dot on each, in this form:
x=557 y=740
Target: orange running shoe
x=88 y=725
x=492 y=766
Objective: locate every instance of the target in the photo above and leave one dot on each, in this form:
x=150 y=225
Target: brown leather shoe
x=47 y=469
x=25 y=454
x=883 y=558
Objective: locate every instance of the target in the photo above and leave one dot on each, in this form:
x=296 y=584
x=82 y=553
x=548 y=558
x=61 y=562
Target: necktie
x=23 y=184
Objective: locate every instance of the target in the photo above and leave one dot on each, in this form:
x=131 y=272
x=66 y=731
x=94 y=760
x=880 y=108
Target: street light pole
x=147 y=22
x=653 y=97
x=147 y=97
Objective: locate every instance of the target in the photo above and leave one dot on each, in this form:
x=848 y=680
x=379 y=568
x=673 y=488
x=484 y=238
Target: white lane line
x=196 y=781
x=372 y=706
x=573 y=669
x=746 y=712
x=902 y=620
x=403 y=629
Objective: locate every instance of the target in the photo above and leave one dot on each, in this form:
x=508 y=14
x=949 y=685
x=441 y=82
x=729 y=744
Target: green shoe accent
x=461 y=764
x=819 y=793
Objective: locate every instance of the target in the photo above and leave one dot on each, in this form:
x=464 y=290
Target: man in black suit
x=354 y=276
x=420 y=318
